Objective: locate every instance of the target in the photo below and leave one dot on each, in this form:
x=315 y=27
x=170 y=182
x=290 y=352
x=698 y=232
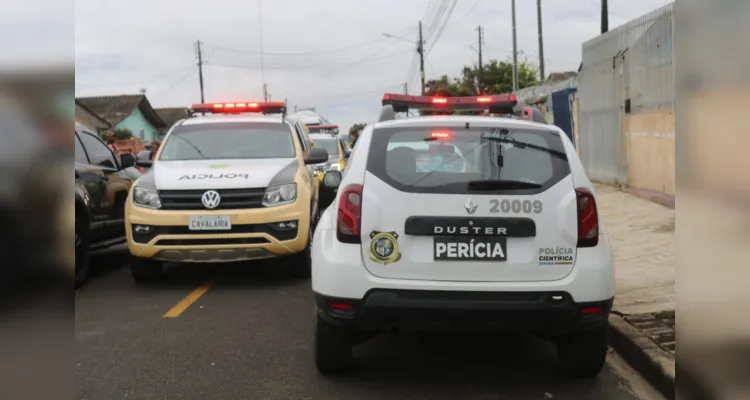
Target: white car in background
x=462 y=223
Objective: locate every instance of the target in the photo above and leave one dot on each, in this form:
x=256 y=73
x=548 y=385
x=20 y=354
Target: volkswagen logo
x=471 y=206
x=211 y=199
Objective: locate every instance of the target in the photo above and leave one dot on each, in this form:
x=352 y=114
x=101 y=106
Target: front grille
x=271 y=229
x=210 y=242
x=231 y=199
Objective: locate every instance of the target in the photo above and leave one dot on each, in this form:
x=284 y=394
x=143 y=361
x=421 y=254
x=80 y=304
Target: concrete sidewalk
x=643 y=239
x=642 y=326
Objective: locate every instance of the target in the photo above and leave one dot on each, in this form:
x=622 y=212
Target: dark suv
x=102 y=183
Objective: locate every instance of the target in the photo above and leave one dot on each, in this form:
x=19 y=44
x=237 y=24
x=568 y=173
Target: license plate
x=210 y=223
x=485 y=248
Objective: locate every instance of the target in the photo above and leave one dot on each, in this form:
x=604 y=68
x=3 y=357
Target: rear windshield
x=329 y=144
x=226 y=141
x=475 y=160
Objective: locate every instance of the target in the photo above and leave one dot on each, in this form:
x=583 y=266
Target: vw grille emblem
x=470 y=206
x=211 y=199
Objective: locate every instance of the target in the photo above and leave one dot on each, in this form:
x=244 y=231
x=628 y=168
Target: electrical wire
x=369 y=57
x=175 y=84
x=349 y=99
x=304 y=66
x=260 y=28
x=347 y=95
x=610 y=11
x=141 y=82
x=327 y=51
x=442 y=25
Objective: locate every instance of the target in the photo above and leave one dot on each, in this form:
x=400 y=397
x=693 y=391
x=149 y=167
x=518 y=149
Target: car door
x=91 y=178
x=304 y=142
x=101 y=158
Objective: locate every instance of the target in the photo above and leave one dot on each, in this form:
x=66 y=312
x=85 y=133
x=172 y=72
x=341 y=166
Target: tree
x=497 y=78
x=356 y=129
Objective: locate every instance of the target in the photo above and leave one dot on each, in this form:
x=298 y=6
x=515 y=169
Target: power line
x=346 y=67
x=442 y=25
x=141 y=82
x=293 y=54
x=262 y=67
x=175 y=84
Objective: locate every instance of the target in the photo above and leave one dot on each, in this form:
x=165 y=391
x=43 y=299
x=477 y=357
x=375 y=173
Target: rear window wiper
x=523 y=145
x=492 y=184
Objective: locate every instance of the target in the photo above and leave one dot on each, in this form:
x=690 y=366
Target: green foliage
x=356 y=129
x=496 y=78
x=119 y=133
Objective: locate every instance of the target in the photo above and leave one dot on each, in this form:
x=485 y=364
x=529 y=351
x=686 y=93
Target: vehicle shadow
x=464 y=362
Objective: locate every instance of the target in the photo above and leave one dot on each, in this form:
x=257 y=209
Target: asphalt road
x=249 y=336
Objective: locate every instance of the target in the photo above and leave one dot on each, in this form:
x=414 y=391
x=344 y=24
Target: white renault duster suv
x=461 y=222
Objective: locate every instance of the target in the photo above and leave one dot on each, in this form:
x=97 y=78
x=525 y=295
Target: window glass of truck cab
x=228 y=141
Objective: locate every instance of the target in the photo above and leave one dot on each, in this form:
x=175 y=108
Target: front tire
x=146 y=270
x=83 y=258
x=302 y=261
x=333 y=348
x=583 y=354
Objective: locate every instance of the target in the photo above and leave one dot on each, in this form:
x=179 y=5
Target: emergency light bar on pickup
x=241 y=107
x=495 y=103
x=322 y=128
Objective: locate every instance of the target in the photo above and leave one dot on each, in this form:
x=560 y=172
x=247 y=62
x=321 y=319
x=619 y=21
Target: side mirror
x=144 y=163
x=331 y=182
x=127 y=160
x=316 y=155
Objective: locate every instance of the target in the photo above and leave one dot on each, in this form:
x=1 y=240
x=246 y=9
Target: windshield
x=476 y=160
x=227 y=141
x=329 y=144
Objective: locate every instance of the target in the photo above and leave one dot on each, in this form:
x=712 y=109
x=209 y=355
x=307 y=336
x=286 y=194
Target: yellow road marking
x=183 y=305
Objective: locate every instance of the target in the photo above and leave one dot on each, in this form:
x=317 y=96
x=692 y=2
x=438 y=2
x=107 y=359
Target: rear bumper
x=548 y=313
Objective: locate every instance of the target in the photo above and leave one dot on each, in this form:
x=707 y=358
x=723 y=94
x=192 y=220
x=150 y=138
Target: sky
x=333 y=55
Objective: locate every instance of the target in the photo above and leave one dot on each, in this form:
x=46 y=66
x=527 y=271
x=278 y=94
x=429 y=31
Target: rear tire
x=333 y=348
x=583 y=354
x=146 y=270
x=83 y=258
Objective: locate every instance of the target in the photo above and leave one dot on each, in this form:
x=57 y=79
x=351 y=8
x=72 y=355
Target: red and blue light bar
x=241 y=107
x=494 y=103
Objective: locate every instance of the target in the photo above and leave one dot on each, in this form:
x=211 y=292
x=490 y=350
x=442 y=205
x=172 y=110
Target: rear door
x=479 y=204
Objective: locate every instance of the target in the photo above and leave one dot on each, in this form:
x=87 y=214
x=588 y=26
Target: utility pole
x=541 y=40
x=515 y=49
x=605 y=17
x=420 y=50
x=479 y=50
x=406 y=88
x=265 y=92
x=200 y=67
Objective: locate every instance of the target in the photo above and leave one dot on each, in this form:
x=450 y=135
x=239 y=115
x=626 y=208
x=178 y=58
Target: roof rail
x=387 y=113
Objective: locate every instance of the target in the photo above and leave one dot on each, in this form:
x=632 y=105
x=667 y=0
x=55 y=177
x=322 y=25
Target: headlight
x=278 y=195
x=145 y=197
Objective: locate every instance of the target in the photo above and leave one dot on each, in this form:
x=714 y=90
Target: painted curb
x=653 y=363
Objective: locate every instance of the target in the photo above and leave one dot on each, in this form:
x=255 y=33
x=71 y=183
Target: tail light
x=588 y=218
x=349 y=219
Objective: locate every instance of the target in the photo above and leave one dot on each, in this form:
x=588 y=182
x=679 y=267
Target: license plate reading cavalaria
x=210 y=223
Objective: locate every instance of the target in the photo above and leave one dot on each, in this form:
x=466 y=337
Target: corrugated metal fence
x=634 y=62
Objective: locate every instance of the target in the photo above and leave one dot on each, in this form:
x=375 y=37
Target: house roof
x=114 y=109
x=171 y=115
x=89 y=118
